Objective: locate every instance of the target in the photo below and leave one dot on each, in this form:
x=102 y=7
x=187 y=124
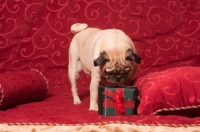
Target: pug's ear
x=132 y=56
x=101 y=59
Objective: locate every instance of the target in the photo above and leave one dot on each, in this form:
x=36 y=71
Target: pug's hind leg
x=74 y=69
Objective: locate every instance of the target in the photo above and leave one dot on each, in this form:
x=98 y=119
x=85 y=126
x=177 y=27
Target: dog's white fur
x=85 y=47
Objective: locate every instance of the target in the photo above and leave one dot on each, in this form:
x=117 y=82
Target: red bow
x=118 y=98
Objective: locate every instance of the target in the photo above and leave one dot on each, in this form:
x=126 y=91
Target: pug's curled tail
x=77 y=27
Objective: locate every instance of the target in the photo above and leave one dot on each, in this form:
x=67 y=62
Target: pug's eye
x=109 y=71
x=127 y=69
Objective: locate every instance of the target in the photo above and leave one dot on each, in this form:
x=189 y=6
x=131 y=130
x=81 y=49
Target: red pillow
x=172 y=91
x=21 y=87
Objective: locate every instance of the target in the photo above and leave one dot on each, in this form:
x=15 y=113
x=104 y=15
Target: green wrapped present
x=117 y=100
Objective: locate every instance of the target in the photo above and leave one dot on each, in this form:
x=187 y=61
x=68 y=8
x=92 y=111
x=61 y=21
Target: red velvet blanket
x=35 y=34
x=57 y=108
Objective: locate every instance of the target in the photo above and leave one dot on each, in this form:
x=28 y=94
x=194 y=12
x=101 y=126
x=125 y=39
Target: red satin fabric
x=120 y=102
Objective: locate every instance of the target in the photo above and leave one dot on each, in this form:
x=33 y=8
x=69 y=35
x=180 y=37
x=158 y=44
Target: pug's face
x=117 y=69
x=116 y=74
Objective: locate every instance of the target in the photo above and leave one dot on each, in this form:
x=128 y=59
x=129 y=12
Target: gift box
x=117 y=100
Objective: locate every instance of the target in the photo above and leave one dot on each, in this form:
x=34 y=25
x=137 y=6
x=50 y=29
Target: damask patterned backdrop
x=36 y=33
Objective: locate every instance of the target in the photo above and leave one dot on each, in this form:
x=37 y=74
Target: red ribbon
x=120 y=102
x=118 y=98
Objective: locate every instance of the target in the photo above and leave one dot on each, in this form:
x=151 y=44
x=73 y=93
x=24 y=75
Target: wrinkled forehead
x=117 y=60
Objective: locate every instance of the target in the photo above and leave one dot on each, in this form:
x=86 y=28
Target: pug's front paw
x=94 y=106
x=77 y=100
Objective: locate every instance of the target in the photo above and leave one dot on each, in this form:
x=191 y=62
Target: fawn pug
x=108 y=56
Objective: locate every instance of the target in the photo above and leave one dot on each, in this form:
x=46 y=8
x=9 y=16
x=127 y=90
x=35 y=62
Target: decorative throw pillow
x=172 y=91
x=21 y=87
